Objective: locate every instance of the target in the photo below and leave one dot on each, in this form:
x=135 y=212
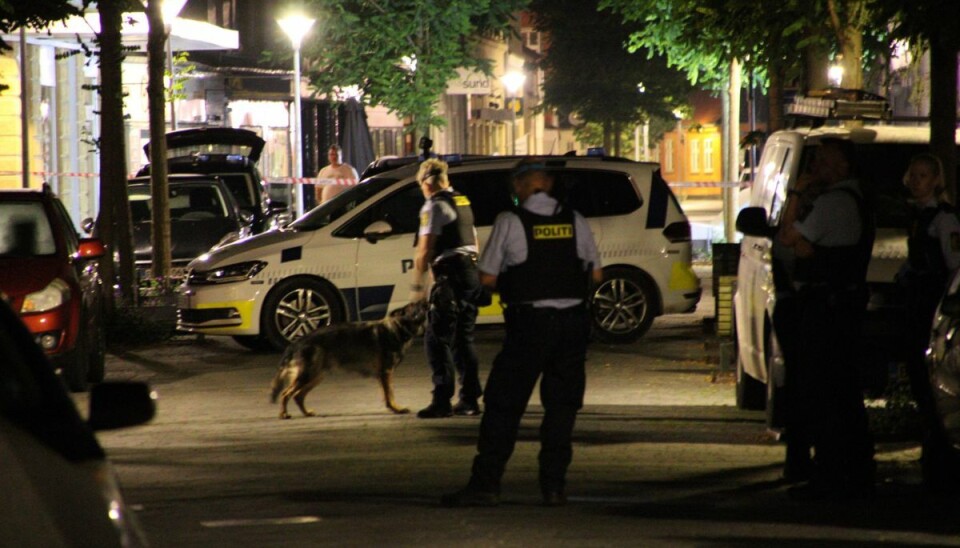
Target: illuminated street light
x=835 y=75
x=169 y=9
x=296 y=27
x=513 y=82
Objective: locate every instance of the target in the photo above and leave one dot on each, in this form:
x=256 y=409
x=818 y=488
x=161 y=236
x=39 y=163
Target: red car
x=50 y=277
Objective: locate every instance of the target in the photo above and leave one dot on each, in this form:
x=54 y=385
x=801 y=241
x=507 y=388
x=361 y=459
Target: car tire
x=298 y=306
x=623 y=306
x=253 y=342
x=751 y=393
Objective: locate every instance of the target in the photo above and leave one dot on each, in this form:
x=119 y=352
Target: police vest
x=925 y=256
x=460 y=232
x=552 y=269
x=840 y=265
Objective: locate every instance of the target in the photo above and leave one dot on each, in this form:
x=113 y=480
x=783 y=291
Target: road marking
x=293 y=520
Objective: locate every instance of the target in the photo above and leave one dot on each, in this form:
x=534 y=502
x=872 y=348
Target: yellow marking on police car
x=494 y=308
x=244 y=308
x=552 y=232
x=682 y=277
x=461 y=200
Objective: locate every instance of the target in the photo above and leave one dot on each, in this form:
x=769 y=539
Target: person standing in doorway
x=541 y=257
x=336 y=169
x=447 y=248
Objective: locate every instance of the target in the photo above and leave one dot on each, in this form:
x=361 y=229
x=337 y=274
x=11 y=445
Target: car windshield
x=240 y=186
x=25 y=230
x=188 y=202
x=341 y=204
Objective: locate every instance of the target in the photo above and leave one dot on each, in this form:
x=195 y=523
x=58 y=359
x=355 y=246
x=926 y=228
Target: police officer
x=832 y=246
x=540 y=257
x=934 y=255
x=447 y=247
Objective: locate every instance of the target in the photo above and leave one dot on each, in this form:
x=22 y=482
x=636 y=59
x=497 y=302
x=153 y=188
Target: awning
x=185 y=34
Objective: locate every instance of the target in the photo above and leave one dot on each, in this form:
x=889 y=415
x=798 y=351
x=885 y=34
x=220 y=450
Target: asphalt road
x=662 y=457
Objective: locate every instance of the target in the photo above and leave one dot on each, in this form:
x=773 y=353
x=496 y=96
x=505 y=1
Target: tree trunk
x=159 y=189
x=775 y=96
x=943 y=111
x=114 y=223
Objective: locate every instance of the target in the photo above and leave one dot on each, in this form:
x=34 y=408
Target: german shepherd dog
x=369 y=348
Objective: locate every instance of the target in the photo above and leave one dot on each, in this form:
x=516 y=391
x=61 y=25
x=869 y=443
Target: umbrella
x=355 y=136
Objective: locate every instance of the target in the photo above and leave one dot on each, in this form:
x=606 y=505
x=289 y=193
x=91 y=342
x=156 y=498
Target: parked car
x=232 y=155
x=51 y=277
x=58 y=487
x=883 y=153
x=203 y=215
x=943 y=358
x=349 y=258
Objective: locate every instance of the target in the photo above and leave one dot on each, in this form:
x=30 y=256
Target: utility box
x=726 y=260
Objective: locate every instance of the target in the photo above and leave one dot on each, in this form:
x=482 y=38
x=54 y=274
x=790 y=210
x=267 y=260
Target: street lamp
x=295 y=27
x=513 y=82
x=169 y=9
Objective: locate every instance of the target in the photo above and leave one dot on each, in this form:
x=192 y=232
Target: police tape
x=272 y=180
x=733 y=184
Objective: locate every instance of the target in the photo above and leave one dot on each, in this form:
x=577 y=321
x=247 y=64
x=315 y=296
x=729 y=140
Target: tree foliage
x=588 y=70
x=34 y=14
x=364 y=43
x=775 y=40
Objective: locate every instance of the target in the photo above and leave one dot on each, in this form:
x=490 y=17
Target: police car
x=350 y=258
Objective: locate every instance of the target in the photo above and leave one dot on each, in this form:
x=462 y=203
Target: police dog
x=369 y=348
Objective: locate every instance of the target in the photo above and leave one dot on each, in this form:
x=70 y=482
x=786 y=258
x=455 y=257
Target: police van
x=350 y=258
x=883 y=153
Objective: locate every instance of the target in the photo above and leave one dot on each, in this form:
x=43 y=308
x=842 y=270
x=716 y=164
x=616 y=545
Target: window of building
x=695 y=145
x=668 y=156
x=708 y=155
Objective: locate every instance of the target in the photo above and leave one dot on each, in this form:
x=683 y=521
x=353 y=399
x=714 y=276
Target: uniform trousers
x=830 y=387
x=449 y=336
x=546 y=342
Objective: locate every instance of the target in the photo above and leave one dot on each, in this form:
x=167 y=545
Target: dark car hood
x=188 y=239
x=197 y=137
x=20 y=276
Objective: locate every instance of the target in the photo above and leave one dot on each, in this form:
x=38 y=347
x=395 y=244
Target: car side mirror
x=115 y=404
x=91 y=248
x=950 y=306
x=752 y=221
x=88 y=225
x=246 y=217
x=377 y=231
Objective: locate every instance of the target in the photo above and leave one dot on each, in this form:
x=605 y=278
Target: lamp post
x=170 y=9
x=296 y=27
x=513 y=82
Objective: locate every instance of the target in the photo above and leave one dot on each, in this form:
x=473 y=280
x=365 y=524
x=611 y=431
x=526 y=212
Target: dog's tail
x=283 y=377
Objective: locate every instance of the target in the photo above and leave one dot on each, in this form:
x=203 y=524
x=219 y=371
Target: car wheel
x=623 y=306
x=751 y=393
x=253 y=342
x=296 y=307
x=773 y=393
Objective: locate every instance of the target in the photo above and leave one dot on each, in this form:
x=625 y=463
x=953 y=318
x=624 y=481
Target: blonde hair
x=933 y=162
x=434 y=171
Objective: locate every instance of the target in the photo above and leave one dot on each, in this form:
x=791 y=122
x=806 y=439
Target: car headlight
x=48 y=298
x=226 y=274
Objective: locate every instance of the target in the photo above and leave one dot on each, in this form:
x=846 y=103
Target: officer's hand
x=417 y=293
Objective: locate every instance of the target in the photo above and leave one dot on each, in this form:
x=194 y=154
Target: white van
x=883 y=153
x=349 y=259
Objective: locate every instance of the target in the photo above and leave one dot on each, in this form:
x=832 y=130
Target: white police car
x=349 y=259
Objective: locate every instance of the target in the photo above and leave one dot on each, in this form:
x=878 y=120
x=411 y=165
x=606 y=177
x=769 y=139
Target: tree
x=400 y=53
x=589 y=71
x=156 y=99
x=114 y=223
x=931 y=23
x=787 y=41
